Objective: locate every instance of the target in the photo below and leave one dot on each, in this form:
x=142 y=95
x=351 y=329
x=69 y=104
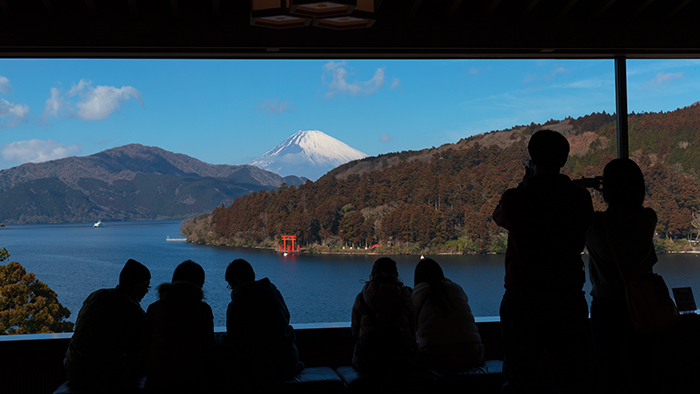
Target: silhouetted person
x=446 y=333
x=259 y=338
x=181 y=326
x=105 y=352
x=623 y=358
x=383 y=321
x=544 y=308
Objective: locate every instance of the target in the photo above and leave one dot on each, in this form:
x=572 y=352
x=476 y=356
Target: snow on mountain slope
x=309 y=153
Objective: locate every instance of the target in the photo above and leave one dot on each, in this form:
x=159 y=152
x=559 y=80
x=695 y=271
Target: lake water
x=76 y=259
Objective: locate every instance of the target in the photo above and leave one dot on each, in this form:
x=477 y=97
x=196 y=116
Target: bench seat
x=412 y=381
x=309 y=380
x=486 y=378
x=67 y=388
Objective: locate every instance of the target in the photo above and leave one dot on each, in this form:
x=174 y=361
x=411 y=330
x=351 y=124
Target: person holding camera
x=544 y=310
x=623 y=357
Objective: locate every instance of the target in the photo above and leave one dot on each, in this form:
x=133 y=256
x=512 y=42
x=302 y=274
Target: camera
x=595 y=182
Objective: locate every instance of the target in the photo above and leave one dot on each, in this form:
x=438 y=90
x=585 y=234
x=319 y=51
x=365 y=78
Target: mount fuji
x=309 y=154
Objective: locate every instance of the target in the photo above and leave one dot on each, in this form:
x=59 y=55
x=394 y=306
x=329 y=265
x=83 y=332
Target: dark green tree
x=27 y=305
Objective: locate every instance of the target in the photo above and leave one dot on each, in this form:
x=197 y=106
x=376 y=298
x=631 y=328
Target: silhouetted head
x=623 y=184
x=135 y=279
x=548 y=148
x=189 y=271
x=427 y=270
x=238 y=272
x=133 y=272
x=384 y=270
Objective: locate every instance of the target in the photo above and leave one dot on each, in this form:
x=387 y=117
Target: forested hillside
x=441 y=199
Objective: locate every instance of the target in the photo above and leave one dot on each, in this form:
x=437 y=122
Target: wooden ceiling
x=404 y=29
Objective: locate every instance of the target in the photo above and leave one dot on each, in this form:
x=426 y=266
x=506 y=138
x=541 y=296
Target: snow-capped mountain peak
x=308 y=153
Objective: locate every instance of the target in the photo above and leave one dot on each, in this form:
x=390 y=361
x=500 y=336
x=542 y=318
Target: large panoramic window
x=664 y=120
x=103 y=159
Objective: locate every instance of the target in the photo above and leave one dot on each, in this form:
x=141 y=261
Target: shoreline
x=367 y=252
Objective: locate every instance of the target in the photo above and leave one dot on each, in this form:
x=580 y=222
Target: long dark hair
x=623 y=184
x=429 y=271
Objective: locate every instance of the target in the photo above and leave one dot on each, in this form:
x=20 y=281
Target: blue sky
x=231 y=111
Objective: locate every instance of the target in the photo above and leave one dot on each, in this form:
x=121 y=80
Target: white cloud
x=529 y=78
x=338 y=74
x=556 y=71
x=84 y=101
x=385 y=138
x=395 y=83
x=75 y=89
x=664 y=79
x=102 y=101
x=276 y=107
x=5 y=85
x=56 y=106
x=37 y=151
x=11 y=114
x=587 y=84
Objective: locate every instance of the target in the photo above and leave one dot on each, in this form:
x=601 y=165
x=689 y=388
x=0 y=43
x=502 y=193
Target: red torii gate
x=289 y=248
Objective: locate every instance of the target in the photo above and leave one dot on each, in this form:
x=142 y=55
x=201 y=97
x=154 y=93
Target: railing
x=33 y=363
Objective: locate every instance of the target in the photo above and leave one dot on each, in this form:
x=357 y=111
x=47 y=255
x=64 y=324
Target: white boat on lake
x=98 y=224
x=175 y=239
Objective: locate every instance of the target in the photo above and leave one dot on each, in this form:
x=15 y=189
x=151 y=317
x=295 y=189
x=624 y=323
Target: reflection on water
x=75 y=260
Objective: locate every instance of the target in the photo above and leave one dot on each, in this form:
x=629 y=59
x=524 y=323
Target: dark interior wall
x=403 y=28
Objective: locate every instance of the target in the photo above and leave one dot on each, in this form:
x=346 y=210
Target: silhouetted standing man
x=544 y=308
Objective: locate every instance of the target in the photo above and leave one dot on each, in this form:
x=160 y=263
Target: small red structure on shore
x=289 y=248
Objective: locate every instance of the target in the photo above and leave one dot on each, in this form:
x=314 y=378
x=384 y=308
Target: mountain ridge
x=130 y=182
x=579 y=143
x=122 y=163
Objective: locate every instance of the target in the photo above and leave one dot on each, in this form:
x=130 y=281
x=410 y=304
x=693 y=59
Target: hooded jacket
x=449 y=333
x=259 y=337
x=108 y=341
x=382 y=303
x=437 y=327
x=182 y=335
